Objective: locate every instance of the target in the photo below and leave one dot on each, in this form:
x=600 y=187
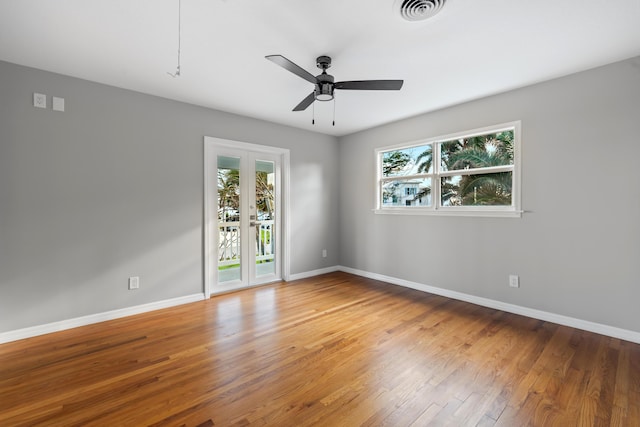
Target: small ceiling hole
x=418 y=10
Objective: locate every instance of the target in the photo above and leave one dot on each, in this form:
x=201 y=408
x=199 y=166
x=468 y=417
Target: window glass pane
x=480 y=151
x=491 y=189
x=408 y=193
x=407 y=161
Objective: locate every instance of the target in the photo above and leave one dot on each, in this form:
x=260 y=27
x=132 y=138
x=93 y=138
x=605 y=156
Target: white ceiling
x=469 y=50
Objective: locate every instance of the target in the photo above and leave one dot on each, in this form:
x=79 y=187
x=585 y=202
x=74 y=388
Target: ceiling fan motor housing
x=324 y=87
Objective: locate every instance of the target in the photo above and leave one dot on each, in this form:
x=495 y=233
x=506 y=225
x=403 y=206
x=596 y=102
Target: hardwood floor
x=334 y=350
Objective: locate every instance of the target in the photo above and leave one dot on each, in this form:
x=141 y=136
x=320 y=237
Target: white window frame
x=513 y=210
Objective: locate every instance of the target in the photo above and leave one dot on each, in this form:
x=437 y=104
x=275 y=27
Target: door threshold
x=227 y=289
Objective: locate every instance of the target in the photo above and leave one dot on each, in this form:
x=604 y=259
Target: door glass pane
x=228 y=219
x=266 y=215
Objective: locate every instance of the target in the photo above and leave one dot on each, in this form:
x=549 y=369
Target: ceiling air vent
x=418 y=10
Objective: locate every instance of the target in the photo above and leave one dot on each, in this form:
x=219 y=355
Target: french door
x=243 y=193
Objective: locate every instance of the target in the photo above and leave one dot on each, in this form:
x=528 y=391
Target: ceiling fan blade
x=370 y=85
x=290 y=66
x=306 y=102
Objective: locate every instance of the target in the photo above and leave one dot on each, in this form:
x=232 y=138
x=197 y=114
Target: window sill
x=447 y=212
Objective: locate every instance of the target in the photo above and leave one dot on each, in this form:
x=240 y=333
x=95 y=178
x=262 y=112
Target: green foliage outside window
x=470 y=171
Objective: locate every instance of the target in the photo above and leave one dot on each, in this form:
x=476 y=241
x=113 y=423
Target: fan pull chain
x=177 y=73
x=313 y=118
x=334 y=111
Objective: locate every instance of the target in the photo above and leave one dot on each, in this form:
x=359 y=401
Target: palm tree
x=228 y=192
x=427 y=160
x=486 y=189
x=265 y=198
x=473 y=152
x=228 y=210
x=483 y=189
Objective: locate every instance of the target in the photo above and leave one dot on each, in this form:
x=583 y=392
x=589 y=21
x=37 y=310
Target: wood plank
x=335 y=350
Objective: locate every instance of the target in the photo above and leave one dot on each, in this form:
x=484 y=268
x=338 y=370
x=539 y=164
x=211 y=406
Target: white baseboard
x=585 y=325
x=612 y=331
x=312 y=273
x=62 y=325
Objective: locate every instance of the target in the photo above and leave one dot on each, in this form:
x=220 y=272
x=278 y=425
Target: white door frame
x=211 y=147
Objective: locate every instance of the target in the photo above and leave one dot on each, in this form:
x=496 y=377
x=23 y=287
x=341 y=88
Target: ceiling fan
x=324 y=84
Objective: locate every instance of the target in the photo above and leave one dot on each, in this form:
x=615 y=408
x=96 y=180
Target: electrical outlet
x=514 y=281
x=324 y=253
x=134 y=282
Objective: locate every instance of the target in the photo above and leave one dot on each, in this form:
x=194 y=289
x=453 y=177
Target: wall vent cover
x=418 y=10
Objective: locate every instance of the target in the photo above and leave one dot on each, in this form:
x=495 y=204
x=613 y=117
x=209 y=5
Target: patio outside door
x=245 y=248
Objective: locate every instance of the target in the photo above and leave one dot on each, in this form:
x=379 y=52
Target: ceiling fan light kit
x=324 y=93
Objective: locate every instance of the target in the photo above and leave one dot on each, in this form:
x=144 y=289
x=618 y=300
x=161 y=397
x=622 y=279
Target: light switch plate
x=58 y=104
x=40 y=100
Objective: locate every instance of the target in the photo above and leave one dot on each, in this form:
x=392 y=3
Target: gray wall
x=113 y=188
x=577 y=247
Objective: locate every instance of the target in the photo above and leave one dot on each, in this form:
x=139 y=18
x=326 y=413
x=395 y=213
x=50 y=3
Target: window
x=467 y=173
